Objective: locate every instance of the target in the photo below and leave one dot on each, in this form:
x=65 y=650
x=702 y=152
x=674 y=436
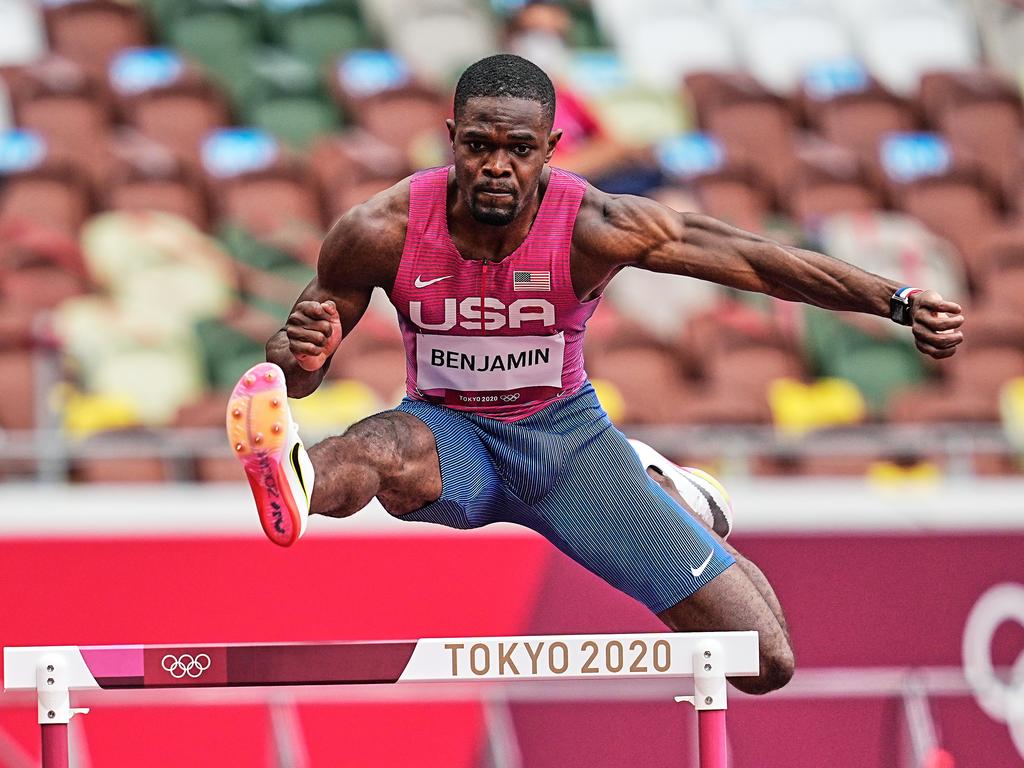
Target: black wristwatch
x=899 y=305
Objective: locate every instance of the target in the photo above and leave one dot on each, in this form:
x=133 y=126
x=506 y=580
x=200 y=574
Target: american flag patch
x=531 y=281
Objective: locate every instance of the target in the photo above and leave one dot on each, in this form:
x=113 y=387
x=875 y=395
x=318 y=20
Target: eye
x=522 y=149
x=475 y=146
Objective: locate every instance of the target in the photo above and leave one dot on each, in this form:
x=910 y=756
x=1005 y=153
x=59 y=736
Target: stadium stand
x=888 y=136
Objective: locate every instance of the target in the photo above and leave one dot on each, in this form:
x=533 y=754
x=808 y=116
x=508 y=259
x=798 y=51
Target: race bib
x=488 y=363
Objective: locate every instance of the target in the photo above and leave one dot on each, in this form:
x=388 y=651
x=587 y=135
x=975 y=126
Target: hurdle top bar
x=460 y=659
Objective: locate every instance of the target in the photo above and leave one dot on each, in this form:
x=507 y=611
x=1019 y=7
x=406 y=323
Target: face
x=544 y=18
x=501 y=145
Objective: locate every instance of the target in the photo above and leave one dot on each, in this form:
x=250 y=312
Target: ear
x=553 y=138
x=451 y=129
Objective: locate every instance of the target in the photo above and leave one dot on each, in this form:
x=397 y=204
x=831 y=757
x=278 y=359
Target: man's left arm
x=653 y=237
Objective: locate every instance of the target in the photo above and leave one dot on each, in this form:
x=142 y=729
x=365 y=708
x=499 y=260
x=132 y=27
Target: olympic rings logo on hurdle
x=186 y=664
x=1001 y=699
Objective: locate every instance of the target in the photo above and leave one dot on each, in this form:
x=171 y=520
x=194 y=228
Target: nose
x=497 y=165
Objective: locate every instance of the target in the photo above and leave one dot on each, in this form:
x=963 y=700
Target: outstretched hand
x=314 y=333
x=936 y=324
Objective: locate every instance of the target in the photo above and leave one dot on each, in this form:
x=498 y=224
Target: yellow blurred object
x=888 y=473
x=159 y=262
x=335 y=405
x=798 y=407
x=132 y=353
x=86 y=414
x=610 y=398
x=1011 y=406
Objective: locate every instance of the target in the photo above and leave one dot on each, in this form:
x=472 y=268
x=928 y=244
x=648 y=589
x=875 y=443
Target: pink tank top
x=501 y=339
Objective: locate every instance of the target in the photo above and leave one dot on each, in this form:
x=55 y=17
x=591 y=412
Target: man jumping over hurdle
x=495 y=265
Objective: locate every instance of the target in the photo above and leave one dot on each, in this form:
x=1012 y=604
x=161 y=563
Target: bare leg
x=391 y=455
x=740 y=598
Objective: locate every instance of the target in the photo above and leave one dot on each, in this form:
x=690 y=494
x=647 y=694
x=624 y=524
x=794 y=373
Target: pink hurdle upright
x=708 y=657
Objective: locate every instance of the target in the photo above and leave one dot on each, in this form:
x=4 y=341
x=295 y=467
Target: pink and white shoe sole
x=259 y=428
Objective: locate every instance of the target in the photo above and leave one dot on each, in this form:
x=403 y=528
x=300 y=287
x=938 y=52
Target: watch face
x=899 y=310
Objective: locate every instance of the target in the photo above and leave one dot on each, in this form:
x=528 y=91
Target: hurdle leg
x=55 y=745
x=711 y=738
x=55 y=711
x=709 y=699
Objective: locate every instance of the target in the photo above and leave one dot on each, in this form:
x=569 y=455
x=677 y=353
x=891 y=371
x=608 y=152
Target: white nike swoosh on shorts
x=419 y=282
x=698 y=571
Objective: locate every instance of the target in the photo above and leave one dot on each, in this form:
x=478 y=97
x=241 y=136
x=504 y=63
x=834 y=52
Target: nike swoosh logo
x=298 y=470
x=698 y=571
x=421 y=283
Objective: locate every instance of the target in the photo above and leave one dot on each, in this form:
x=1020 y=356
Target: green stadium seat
x=162 y=14
x=223 y=43
x=226 y=352
x=252 y=252
x=319 y=37
x=288 y=98
x=879 y=366
x=296 y=121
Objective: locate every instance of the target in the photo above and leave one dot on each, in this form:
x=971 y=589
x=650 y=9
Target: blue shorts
x=569 y=474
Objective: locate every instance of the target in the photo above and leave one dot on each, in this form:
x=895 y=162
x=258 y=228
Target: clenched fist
x=314 y=333
x=936 y=324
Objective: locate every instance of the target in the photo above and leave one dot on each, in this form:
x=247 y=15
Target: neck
x=476 y=240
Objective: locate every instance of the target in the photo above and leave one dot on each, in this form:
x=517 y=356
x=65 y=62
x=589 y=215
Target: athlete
x=495 y=265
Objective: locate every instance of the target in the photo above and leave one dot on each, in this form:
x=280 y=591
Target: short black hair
x=509 y=76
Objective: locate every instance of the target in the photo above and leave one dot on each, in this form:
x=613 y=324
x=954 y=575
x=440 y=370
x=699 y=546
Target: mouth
x=494 y=192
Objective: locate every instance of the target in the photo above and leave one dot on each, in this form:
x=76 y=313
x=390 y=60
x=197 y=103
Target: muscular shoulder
x=623 y=229
x=365 y=244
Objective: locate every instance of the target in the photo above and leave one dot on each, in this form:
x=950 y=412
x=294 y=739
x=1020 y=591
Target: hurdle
x=708 y=657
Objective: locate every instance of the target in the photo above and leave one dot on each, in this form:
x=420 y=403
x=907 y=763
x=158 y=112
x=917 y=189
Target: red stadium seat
x=1000 y=261
x=179 y=116
x=175 y=191
x=961 y=205
x=123 y=470
x=53 y=196
x=340 y=201
x=353 y=166
x=996 y=322
x=90 y=32
x=399 y=112
x=858 y=120
x=40 y=285
x=735 y=194
x=266 y=201
x=650 y=380
x=748 y=370
x=755 y=127
x=830 y=180
x=971 y=393
x=381 y=368
x=982 y=115
x=18 y=405
x=69 y=110
x=401 y=118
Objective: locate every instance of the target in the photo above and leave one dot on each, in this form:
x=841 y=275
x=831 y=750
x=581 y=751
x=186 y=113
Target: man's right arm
x=318 y=321
x=356 y=256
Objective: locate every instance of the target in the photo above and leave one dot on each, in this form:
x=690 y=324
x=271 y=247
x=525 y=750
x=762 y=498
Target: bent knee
x=777 y=668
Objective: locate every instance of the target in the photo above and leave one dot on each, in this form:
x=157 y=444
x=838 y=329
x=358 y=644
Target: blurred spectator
x=539 y=31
